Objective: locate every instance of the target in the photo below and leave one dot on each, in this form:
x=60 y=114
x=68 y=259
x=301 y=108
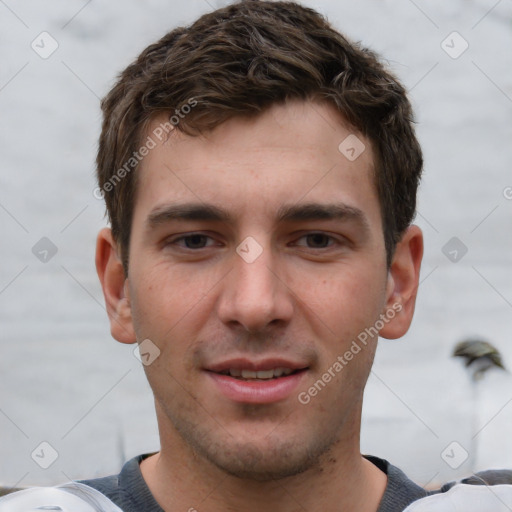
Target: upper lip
x=241 y=363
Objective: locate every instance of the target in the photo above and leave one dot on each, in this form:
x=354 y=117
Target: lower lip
x=257 y=391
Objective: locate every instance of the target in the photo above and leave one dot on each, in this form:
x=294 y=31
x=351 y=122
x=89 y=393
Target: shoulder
x=400 y=490
x=491 y=489
x=127 y=490
x=487 y=477
x=108 y=485
x=69 y=496
x=467 y=497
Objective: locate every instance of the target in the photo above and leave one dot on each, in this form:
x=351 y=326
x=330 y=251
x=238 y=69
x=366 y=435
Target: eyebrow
x=319 y=211
x=187 y=211
x=286 y=213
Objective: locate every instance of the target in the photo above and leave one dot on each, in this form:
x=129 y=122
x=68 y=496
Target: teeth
x=261 y=374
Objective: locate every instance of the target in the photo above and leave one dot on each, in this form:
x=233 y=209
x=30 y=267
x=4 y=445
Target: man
x=260 y=175
x=249 y=249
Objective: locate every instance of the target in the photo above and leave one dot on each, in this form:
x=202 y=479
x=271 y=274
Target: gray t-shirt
x=129 y=491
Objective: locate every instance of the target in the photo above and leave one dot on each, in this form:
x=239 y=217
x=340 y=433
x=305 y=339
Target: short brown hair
x=240 y=60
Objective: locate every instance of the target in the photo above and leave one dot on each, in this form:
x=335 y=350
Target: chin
x=273 y=458
x=257 y=449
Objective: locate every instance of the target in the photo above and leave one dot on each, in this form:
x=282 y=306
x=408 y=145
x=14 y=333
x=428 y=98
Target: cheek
x=169 y=308
x=347 y=298
x=161 y=298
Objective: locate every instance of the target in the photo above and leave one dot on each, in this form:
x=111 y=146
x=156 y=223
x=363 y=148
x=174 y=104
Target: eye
x=192 y=241
x=318 y=240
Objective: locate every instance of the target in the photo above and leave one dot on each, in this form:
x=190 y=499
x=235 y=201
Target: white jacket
x=467 y=498
x=70 y=497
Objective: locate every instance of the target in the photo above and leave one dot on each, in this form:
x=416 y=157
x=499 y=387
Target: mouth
x=248 y=375
x=269 y=381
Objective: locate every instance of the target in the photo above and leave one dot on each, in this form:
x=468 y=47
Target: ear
x=402 y=286
x=115 y=287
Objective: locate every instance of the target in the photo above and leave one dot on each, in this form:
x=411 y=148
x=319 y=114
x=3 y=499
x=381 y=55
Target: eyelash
x=190 y=235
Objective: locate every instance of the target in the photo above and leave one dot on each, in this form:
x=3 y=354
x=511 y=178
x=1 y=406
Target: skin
x=305 y=298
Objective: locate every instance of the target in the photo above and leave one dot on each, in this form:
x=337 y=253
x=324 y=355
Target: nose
x=255 y=294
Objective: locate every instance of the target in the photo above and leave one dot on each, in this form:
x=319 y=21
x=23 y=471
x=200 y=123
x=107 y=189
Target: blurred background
x=75 y=404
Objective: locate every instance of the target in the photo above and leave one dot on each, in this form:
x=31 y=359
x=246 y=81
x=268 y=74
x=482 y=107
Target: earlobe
x=402 y=286
x=115 y=287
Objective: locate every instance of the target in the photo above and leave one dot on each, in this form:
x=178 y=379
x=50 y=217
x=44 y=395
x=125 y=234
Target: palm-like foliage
x=479 y=356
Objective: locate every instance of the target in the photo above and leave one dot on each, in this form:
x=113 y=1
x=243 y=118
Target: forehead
x=298 y=151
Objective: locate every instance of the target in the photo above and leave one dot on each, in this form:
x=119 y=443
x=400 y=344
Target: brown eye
x=195 y=241
x=192 y=241
x=318 y=240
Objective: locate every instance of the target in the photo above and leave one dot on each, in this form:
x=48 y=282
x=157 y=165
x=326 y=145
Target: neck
x=343 y=480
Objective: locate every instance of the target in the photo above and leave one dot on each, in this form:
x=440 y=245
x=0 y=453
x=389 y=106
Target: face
x=256 y=260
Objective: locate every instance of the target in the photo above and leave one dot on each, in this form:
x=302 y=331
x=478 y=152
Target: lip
x=256 y=391
x=241 y=363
